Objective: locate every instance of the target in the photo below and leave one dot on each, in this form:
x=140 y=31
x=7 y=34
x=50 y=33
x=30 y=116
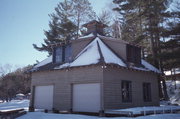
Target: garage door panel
x=44 y=97
x=86 y=97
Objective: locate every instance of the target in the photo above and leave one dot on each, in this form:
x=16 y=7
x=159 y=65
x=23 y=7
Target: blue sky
x=22 y=23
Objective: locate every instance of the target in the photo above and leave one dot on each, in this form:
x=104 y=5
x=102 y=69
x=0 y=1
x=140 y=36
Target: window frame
x=129 y=91
x=147 y=96
x=133 y=54
x=55 y=54
x=64 y=54
x=68 y=53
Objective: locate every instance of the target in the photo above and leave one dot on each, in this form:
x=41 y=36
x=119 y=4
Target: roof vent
x=95 y=27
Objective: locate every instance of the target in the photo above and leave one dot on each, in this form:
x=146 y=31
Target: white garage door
x=43 y=97
x=86 y=97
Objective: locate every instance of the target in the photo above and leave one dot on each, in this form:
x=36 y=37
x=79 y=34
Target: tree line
x=14 y=82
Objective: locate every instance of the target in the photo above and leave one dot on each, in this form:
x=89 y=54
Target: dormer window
x=133 y=54
x=68 y=53
x=62 y=54
x=58 y=55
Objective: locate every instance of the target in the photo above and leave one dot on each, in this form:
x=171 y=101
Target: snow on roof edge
x=44 y=62
x=149 y=66
x=87 y=36
x=109 y=56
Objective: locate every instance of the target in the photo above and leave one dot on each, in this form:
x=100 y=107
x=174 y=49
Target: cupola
x=94 y=27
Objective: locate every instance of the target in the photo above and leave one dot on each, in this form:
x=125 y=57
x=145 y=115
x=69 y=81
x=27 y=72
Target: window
x=62 y=54
x=68 y=53
x=133 y=54
x=126 y=91
x=147 y=92
x=58 y=54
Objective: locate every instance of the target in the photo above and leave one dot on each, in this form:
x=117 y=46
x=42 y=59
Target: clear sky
x=22 y=23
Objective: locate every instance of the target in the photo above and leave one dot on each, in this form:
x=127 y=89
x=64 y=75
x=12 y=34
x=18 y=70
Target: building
x=94 y=73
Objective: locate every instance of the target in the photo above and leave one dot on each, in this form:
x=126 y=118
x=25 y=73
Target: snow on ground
x=14 y=104
x=42 y=115
x=174 y=94
x=138 y=110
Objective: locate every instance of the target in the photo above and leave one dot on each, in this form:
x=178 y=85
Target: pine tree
x=61 y=27
x=105 y=17
x=82 y=12
x=141 y=23
x=170 y=48
x=132 y=21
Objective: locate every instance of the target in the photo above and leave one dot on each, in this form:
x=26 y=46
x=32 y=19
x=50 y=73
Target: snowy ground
x=174 y=94
x=144 y=110
x=42 y=115
x=14 y=104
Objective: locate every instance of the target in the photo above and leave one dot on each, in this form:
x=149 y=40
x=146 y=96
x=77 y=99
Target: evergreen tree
x=82 y=12
x=130 y=19
x=142 y=23
x=61 y=27
x=170 y=48
x=105 y=17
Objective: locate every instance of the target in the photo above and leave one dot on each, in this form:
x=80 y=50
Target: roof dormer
x=95 y=27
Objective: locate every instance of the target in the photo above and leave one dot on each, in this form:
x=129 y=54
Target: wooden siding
x=112 y=88
x=110 y=79
x=63 y=80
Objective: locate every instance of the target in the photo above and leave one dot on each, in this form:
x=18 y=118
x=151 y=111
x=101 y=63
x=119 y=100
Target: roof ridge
x=113 y=51
x=100 y=52
x=83 y=50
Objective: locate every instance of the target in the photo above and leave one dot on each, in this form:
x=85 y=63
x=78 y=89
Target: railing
x=11 y=114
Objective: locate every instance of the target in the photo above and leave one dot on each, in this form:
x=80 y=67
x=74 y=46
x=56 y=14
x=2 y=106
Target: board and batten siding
x=112 y=88
x=63 y=81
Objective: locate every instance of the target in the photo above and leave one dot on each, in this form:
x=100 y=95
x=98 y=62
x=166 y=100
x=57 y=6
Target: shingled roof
x=96 y=52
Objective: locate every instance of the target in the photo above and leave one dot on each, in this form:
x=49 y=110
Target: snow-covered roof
x=87 y=36
x=97 y=52
x=91 y=54
x=44 y=62
x=149 y=66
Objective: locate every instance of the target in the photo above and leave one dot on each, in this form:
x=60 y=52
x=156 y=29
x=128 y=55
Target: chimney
x=95 y=27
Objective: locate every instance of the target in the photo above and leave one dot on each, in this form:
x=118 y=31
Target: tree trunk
x=78 y=24
x=165 y=95
x=160 y=88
